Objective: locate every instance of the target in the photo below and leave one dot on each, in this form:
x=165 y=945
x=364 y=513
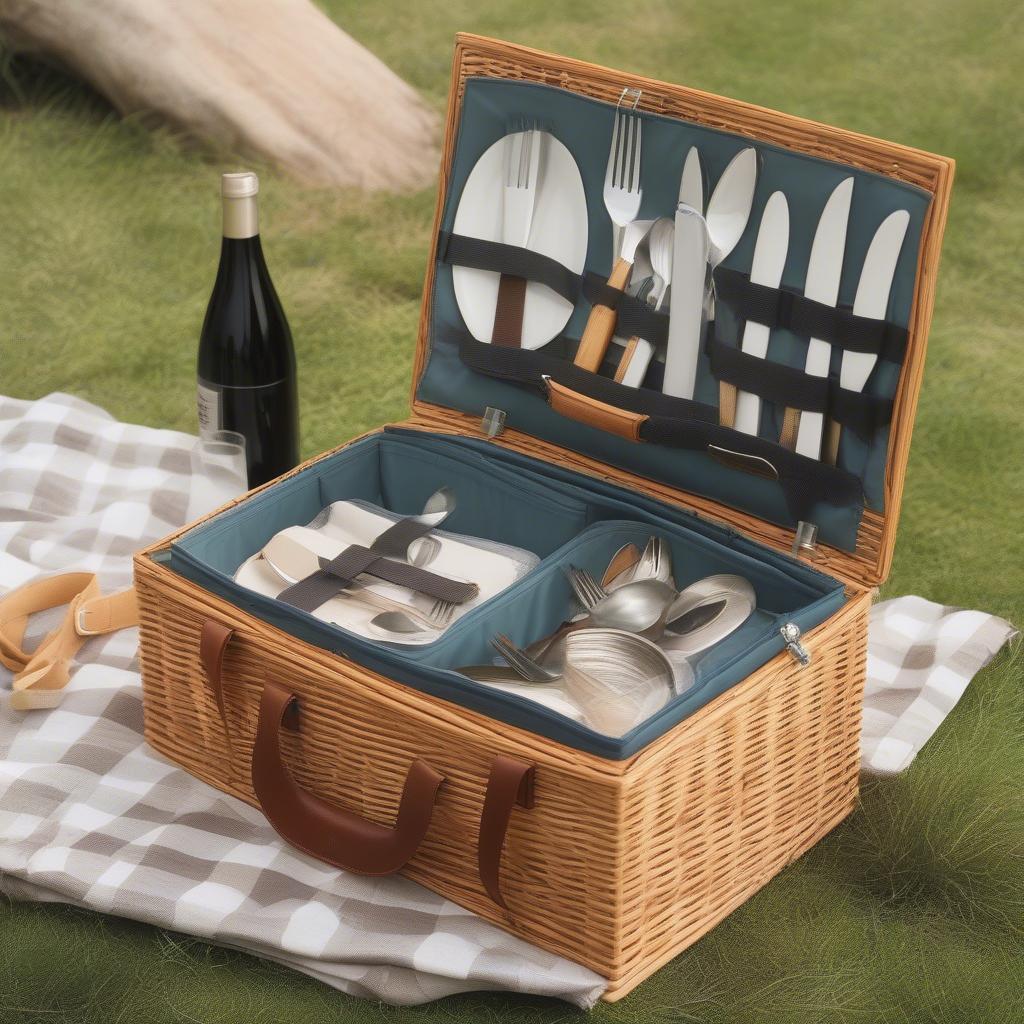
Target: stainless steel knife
x=872 y=301
x=712 y=237
x=689 y=266
x=769 y=260
x=824 y=271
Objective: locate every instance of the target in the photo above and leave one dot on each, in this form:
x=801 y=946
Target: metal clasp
x=493 y=422
x=630 y=97
x=791 y=634
x=805 y=538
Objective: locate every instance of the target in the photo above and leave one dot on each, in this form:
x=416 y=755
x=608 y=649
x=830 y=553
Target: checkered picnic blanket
x=90 y=816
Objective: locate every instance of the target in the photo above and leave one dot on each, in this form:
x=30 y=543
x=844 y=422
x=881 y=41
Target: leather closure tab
x=594 y=413
x=511 y=784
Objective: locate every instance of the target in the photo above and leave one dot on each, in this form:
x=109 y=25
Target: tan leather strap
x=510 y=785
x=331 y=834
x=40 y=676
x=594 y=413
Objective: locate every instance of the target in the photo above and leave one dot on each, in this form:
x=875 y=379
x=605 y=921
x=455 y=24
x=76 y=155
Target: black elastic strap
x=635 y=317
x=781 y=307
x=336 y=574
x=804 y=482
x=482 y=254
x=675 y=422
x=856 y=411
x=773 y=382
x=525 y=366
x=791 y=388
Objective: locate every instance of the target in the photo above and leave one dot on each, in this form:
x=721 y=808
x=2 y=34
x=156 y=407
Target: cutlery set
x=667 y=263
x=622 y=653
x=629 y=650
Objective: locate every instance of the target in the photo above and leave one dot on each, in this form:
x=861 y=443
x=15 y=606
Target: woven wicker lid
x=475 y=56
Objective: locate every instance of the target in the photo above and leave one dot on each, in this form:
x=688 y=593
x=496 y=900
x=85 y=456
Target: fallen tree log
x=275 y=78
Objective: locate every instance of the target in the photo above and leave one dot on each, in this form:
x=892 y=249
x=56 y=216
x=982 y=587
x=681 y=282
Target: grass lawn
x=913 y=910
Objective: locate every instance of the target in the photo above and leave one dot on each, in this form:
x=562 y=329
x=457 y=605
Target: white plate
x=559 y=230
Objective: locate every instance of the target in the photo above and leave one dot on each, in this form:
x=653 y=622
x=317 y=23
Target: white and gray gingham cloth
x=90 y=816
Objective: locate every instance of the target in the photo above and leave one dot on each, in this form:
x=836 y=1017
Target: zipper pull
x=791 y=634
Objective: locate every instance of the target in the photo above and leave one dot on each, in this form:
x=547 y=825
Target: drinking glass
x=218 y=471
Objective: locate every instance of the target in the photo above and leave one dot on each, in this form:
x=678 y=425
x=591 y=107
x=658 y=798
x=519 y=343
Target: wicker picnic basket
x=616 y=864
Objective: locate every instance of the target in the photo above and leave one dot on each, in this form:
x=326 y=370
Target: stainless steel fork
x=532 y=671
x=522 y=164
x=588 y=591
x=622 y=195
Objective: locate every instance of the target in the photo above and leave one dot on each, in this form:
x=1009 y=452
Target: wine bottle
x=246 y=364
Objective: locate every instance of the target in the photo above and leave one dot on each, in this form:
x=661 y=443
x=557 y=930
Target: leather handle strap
x=511 y=784
x=595 y=413
x=41 y=675
x=331 y=834
x=213 y=642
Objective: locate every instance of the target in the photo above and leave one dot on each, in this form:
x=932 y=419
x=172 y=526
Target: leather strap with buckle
x=41 y=675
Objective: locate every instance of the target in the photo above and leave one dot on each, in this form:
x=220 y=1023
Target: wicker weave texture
x=619 y=865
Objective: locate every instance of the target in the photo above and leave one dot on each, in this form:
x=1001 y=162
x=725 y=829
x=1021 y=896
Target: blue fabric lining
x=562 y=516
x=584 y=126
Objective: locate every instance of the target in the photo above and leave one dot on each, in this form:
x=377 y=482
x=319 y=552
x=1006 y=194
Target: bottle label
x=209 y=403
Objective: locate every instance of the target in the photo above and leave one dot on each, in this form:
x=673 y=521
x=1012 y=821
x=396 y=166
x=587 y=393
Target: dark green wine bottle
x=246 y=364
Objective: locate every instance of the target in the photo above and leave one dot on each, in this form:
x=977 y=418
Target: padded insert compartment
x=564 y=517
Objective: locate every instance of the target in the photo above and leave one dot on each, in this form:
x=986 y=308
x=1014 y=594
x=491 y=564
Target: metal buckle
x=80 y=627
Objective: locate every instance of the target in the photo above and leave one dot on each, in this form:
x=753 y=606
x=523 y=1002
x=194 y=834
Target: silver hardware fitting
x=629 y=97
x=493 y=422
x=791 y=634
x=805 y=538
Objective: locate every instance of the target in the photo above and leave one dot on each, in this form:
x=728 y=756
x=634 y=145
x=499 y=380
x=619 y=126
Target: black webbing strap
x=336 y=574
x=675 y=422
x=774 y=382
x=481 y=254
x=525 y=366
x=805 y=482
x=780 y=307
x=861 y=413
x=791 y=388
x=635 y=317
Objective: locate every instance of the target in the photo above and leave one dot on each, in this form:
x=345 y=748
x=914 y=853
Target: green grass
x=913 y=910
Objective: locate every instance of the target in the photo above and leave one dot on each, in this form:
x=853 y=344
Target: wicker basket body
x=618 y=865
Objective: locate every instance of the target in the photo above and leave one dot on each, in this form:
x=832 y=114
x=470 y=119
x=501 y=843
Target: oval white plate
x=558 y=230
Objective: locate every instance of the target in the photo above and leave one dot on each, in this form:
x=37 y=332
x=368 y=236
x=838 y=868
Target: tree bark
x=275 y=78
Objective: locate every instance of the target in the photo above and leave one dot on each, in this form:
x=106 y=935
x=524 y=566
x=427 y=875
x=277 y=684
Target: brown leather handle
x=331 y=834
x=322 y=830
x=510 y=784
x=594 y=413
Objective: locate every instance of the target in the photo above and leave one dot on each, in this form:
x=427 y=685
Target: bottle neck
x=241 y=217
